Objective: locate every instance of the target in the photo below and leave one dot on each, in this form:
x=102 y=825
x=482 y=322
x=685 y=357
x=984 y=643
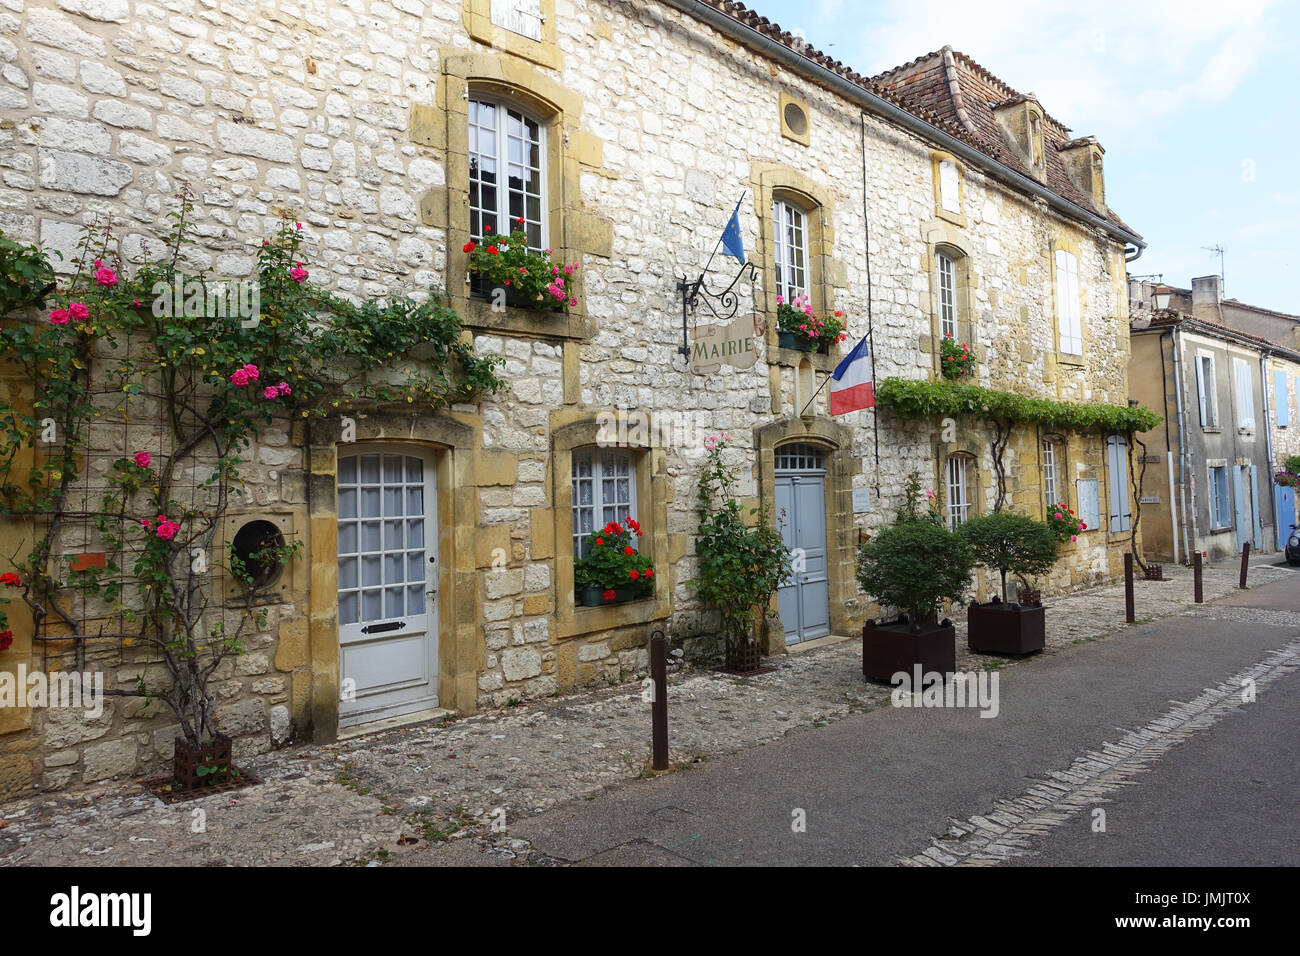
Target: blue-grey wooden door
x=804 y=601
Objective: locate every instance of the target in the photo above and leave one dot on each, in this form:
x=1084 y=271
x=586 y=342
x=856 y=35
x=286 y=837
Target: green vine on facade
x=187 y=378
x=916 y=398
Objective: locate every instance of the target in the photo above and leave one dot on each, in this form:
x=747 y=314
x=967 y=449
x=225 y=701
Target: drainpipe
x=1189 y=516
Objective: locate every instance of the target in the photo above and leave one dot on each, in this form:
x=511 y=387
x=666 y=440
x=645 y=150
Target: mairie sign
x=719 y=345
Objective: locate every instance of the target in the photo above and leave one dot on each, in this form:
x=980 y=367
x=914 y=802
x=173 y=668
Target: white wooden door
x=388 y=607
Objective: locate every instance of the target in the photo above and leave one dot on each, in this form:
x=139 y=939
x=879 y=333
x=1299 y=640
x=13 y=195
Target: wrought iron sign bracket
x=721 y=305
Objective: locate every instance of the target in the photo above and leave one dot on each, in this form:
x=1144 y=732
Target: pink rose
x=298 y=273
x=167 y=530
x=78 y=311
x=1058 y=514
x=252 y=372
x=105 y=276
x=239 y=377
x=1074 y=537
x=270 y=392
x=142 y=459
x=284 y=388
x=59 y=317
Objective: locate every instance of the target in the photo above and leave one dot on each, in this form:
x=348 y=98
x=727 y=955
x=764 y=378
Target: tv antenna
x=1217 y=250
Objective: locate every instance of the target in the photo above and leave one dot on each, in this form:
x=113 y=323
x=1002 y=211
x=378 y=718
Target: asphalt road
x=876 y=787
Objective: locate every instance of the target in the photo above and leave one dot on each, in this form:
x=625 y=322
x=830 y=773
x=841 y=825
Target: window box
x=798 y=343
x=595 y=597
x=513 y=299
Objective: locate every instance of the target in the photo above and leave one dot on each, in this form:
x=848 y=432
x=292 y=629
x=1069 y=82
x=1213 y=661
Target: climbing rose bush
x=1064 y=523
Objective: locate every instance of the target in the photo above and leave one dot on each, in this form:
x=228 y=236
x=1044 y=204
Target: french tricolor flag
x=851 y=382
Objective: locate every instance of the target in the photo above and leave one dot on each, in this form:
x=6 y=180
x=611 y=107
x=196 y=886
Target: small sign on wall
x=1149 y=500
x=861 y=500
x=732 y=344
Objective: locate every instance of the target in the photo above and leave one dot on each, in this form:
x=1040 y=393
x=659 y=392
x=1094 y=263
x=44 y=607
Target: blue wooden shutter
x=1117 y=467
x=1279 y=398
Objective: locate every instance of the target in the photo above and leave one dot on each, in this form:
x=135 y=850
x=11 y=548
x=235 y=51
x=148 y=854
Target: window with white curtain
x=604 y=490
x=947 y=270
x=958 y=491
x=790 y=236
x=1245 y=394
x=507 y=179
x=1220 y=502
x=1206 y=390
x=1068 y=318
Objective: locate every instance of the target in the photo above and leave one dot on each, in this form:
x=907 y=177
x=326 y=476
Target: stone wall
x=345 y=116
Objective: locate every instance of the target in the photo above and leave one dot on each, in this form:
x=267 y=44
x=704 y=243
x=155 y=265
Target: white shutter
x=949 y=187
x=1279 y=398
x=1069 y=326
x=1085 y=493
x=1245 y=394
x=1202 y=391
x=519 y=16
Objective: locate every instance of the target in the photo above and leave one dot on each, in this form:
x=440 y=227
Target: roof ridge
x=1010 y=91
x=954 y=89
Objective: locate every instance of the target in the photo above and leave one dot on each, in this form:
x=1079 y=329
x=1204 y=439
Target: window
x=1117 y=472
x=1051 y=477
x=1069 y=323
x=1279 y=398
x=947 y=270
x=1205 y=390
x=799 y=458
x=503 y=139
x=790 y=232
x=1220 y=504
x=604 y=490
x=1245 y=394
x=958 y=492
x=949 y=186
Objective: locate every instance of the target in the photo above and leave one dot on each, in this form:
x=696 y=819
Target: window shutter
x=1117 y=466
x=1085 y=493
x=949 y=187
x=1202 y=391
x=1069 y=325
x=518 y=16
x=1279 y=398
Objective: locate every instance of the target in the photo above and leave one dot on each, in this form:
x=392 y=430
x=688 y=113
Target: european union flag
x=732 y=244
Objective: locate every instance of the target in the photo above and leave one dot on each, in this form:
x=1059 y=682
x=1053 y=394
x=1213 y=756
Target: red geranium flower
x=629 y=550
x=492 y=250
x=649 y=572
x=10 y=579
x=608 y=595
x=600 y=540
x=6 y=639
x=487 y=228
x=468 y=247
x=633 y=574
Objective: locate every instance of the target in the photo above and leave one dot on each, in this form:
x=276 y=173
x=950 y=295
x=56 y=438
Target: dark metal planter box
x=745 y=658
x=1008 y=629
x=595 y=597
x=890 y=648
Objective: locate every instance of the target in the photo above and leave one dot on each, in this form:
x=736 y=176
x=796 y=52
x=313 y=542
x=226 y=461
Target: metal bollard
x=1129 y=617
x=1245 y=557
x=659 y=706
x=1197 y=592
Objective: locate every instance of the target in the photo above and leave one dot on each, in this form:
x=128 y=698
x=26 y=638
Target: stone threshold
x=817 y=642
x=388 y=723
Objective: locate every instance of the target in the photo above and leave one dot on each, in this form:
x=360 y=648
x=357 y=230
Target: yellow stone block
x=537 y=604
x=433 y=207
x=587 y=149
x=491 y=544
x=15 y=775
x=426 y=125
x=293 y=650
x=541 y=524
x=496 y=468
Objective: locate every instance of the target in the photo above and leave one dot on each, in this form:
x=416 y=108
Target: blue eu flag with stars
x=732 y=244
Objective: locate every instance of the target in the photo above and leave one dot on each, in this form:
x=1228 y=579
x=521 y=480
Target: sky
x=1195 y=102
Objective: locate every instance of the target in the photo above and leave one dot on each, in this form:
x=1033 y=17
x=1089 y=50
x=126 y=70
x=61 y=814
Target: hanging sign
x=733 y=344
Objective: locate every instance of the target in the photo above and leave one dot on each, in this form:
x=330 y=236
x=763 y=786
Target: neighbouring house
x=1229 y=396
x=935 y=199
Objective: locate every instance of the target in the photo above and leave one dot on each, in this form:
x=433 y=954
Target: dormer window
x=1021 y=120
x=1035 y=140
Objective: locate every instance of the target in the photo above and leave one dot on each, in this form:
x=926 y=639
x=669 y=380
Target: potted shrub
x=1019 y=545
x=613 y=571
x=528 y=279
x=800 y=328
x=913 y=565
x=740 y=567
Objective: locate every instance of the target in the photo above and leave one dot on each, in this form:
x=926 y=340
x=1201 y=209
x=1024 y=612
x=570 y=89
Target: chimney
x=1206 y=296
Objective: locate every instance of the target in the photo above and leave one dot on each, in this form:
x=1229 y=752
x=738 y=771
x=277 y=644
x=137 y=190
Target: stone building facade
x=954 y=198
x=1229 y=398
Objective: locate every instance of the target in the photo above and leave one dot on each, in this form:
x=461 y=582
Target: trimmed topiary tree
x=914 y=565
x=1012 y=543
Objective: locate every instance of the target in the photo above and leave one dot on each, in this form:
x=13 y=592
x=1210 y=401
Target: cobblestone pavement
x=430 y=793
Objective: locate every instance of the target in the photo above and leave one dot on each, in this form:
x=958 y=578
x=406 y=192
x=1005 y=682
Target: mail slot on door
x=386 y=626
